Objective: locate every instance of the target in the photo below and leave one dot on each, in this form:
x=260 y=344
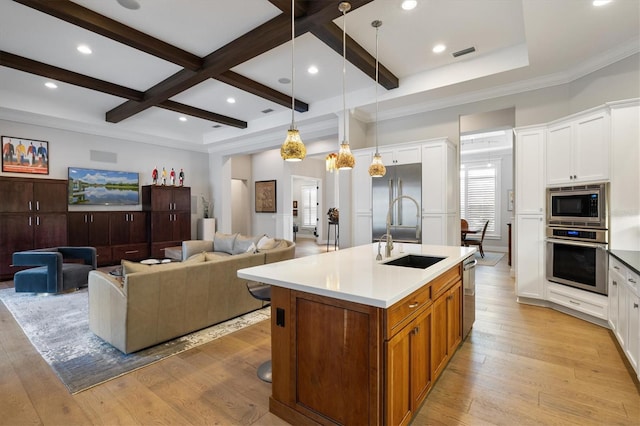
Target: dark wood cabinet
x=169 y=217
x=91 y=229
x=129 y=235
x=32 y=215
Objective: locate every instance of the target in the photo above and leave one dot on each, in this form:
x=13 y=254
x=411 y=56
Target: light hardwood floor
x=520 y=365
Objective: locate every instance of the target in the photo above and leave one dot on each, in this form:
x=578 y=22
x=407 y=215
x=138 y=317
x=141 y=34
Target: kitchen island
x=356 y=341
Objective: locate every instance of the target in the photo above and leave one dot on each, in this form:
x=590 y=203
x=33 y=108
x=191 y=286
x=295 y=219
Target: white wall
x=73 y=149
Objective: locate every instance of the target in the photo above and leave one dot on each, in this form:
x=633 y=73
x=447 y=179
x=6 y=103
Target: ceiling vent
x=464 y=51
x=267 y=111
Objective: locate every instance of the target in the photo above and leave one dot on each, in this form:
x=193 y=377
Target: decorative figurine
x=181 y=177
x=164 y=176
x=172 y=177
x=154 y=175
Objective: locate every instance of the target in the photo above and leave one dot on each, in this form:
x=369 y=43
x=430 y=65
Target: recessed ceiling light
x=409 y=4
x=182 y=118
x=129 y=4
x=231 y=100
x=284 y=80
x=312 y=69
x=439 y=48
x=51 y=85
x=599 y=3
x=83 y=48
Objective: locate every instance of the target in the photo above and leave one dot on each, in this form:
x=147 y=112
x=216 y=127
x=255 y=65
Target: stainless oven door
x=578 y=264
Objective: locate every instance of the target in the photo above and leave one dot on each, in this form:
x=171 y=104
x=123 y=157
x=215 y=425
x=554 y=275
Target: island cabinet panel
x=326 y=360
x=408 y=369
x=341 y=362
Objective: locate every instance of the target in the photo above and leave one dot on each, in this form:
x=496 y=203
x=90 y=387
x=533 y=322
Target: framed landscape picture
x=103 y=187
x=265 y=196
x=21 y=155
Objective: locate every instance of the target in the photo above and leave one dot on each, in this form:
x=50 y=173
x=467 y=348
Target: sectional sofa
x=151 y=304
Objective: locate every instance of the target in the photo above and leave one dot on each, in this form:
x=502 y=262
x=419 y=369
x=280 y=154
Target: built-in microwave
x=582 y=206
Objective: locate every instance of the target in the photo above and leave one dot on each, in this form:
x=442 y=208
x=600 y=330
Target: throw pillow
x=224 y=242
x=266 y=243
x=244 y=244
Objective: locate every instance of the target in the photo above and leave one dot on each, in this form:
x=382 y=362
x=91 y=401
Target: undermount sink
x=415 y=261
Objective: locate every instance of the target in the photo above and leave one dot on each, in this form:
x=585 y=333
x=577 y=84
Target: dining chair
x=464 y=224
x=475 y=242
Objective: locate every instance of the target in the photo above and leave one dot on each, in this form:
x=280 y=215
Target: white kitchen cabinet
x=529 y=176
x=624 y=306
x=361 y=190
x=577 y=149
x=400 y=154
x=530 y=256
x=624 y=189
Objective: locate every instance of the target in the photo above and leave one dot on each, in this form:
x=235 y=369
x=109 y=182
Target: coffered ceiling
x=185 y=58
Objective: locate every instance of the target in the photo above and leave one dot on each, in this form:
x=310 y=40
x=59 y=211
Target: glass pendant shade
x=331 y=162
x=345 y=160
x=293 y=149
x=377 y=169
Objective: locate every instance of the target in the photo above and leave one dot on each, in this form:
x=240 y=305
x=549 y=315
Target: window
x=309 y=205
x=480 y=195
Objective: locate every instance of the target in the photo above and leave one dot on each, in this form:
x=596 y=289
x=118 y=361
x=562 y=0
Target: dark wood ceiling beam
x=49 y=71
x=92 y=21
x=30 y=66
x=331 y=35
x=236 y=80
x=200 y=113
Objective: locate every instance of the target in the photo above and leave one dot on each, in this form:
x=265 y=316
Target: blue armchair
x=58 y=269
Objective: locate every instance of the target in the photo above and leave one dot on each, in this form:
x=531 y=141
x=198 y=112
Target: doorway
x=307 y=205
x=240 y=207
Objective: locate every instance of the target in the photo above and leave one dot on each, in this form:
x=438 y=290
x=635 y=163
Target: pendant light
x=292 y=148
x=345 y=160
x=377 y=168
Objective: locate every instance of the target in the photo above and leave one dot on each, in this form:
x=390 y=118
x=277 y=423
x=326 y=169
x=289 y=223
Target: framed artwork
x=295 y=212
x=510 y=199
x=295 y=204
x=21 y=155
x=265 y=196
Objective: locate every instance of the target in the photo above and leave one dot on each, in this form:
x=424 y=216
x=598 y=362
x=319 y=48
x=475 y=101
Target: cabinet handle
x=631 y=280
x=132 y=217
x=37 y=205
x=413 y=305
x=616 y=268
x=635 y=306
x=575 y=176
x=131 y=251
x=575 y=303
x=415 y=330
x=29 y=220
x=37 y=220
x=92 y=218
x=615 y=282
x=29 y=205
x=85 y=218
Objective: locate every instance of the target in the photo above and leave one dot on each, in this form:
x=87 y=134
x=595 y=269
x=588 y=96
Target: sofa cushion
x=276 y=245
x=245 y=244
x=224 y=242
x=265 y=243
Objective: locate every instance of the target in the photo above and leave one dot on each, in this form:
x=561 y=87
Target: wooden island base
x=341 y=362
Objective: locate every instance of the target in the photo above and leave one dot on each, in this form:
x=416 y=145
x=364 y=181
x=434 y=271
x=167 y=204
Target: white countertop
x=355 y=275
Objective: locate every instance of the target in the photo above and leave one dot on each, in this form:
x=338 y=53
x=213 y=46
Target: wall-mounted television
x=103 y=187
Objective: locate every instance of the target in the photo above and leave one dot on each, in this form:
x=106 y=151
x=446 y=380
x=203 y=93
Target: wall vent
x=103 y=156
x=464 y=51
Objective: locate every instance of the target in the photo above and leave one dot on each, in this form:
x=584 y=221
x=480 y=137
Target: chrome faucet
x=379 y=256
x=389 y=246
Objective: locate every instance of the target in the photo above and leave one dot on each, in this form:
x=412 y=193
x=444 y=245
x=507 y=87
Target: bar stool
x=262 y=292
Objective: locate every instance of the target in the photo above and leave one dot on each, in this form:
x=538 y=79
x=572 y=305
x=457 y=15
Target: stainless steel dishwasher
x=469 y=295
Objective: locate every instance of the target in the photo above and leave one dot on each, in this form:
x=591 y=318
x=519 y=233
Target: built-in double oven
x=577 y=236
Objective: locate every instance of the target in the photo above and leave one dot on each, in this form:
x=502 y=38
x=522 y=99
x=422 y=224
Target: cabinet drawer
x=131 y=252
x=591 y=304
x=444 y=281
x=404 y=310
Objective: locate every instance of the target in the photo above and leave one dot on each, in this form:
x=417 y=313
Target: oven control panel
x=578 y=234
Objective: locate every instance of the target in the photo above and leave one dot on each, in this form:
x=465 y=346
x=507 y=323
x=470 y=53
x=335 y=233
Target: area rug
x=489 y=259
x=58 y=327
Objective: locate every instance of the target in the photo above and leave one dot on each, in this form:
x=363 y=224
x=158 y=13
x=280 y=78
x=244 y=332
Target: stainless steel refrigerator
x=399 y=180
